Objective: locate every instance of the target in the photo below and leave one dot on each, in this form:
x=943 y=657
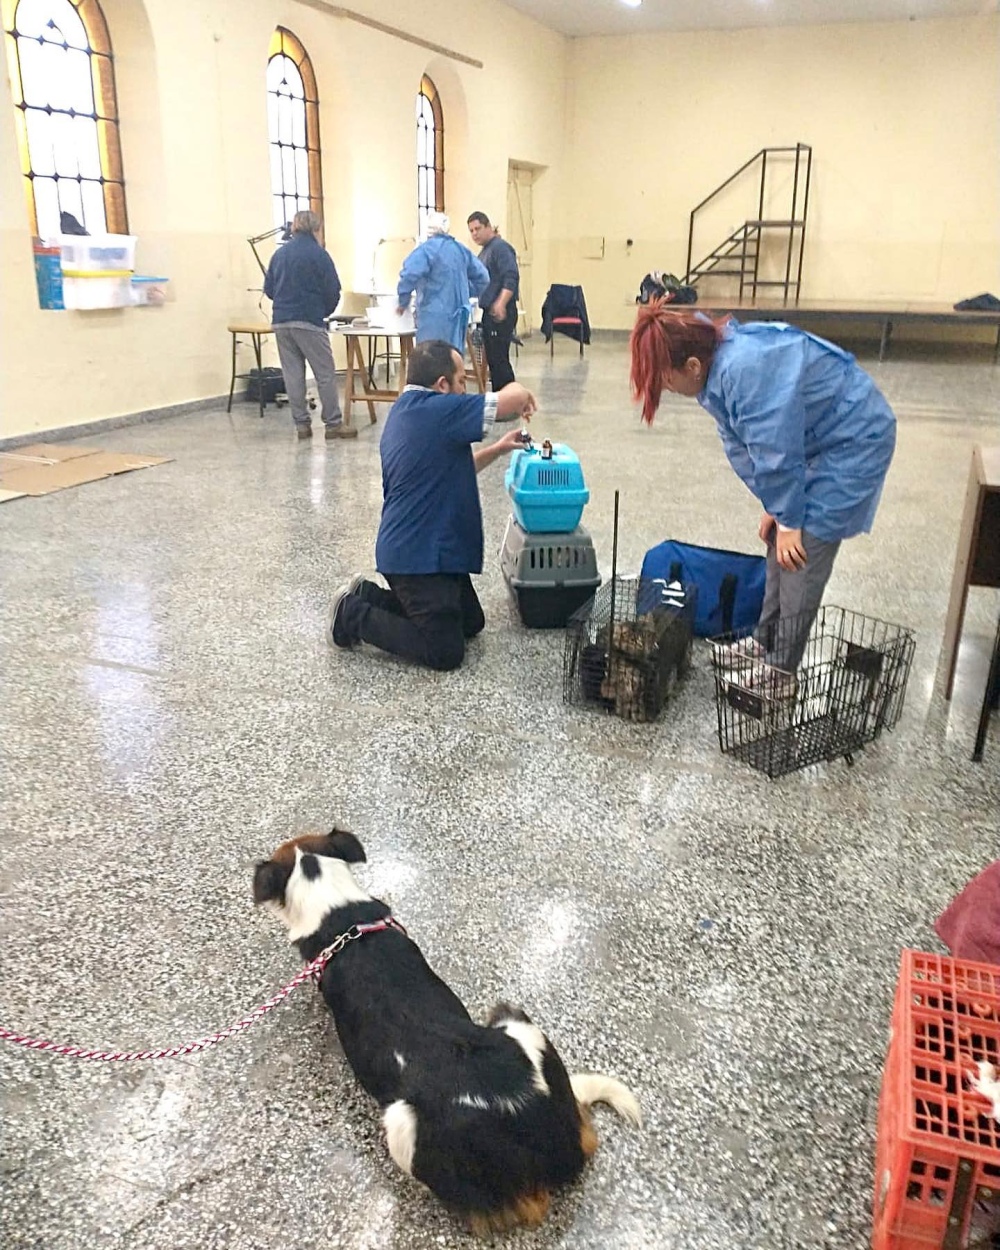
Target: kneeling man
x=431 y=536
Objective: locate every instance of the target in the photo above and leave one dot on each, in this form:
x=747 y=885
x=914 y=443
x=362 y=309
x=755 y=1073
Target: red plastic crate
x=937 y=1166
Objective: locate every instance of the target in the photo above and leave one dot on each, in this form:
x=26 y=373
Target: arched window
x=293 y=126
x=430 y=152
x=63 y=83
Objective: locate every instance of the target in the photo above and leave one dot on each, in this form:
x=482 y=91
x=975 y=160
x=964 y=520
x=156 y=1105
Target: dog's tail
x=589 y=1088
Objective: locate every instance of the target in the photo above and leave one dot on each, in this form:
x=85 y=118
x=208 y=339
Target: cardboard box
x=41 y=468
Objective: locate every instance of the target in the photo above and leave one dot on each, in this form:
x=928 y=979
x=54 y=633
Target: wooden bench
x=885 y=314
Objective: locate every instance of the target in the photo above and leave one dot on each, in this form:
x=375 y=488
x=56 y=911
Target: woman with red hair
x=801 y=423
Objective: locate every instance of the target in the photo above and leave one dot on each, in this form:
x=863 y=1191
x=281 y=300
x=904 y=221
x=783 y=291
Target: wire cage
x=626 y=650
x=477 y=345
x=805 y=692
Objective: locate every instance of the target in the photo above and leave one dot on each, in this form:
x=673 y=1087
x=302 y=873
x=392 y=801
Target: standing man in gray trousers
x=302 y=283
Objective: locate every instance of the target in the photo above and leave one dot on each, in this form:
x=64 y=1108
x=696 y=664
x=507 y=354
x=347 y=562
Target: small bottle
x=547 y=449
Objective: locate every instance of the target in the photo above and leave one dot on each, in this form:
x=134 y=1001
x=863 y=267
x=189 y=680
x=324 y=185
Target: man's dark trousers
x=425 y=618
x=496 y=342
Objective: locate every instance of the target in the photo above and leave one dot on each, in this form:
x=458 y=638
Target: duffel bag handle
x=727 y=601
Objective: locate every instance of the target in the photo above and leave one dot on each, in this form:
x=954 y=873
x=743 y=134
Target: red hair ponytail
x=664 y=338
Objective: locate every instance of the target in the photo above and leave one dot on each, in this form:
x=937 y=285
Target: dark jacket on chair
x=302 y=282
x=566 y=301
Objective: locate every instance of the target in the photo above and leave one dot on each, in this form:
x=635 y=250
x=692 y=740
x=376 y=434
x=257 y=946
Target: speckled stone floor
x=725 y=944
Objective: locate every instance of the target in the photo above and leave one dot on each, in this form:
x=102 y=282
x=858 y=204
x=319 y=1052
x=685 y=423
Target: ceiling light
x=631 y=4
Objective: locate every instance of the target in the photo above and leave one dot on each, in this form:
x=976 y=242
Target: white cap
x=437 y=223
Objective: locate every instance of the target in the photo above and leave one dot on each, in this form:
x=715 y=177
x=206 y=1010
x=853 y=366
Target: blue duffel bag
x=730 y=584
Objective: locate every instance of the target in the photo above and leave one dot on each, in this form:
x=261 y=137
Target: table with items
x=358 y=370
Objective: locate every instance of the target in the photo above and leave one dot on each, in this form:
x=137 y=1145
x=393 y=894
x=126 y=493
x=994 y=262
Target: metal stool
x=565 y=321
x=255 y=333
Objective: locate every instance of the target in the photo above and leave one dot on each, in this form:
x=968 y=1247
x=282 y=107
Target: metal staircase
x=743 y=255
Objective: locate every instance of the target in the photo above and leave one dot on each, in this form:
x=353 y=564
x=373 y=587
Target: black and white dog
x=486 y=1117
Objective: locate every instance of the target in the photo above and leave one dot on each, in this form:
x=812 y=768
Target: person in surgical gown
x=445 y=276
x=801 y=423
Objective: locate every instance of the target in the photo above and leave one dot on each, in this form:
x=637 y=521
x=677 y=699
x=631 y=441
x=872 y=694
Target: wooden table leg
x=405 y=344
x=349 y=383
x=365 y=383
x=967 y=539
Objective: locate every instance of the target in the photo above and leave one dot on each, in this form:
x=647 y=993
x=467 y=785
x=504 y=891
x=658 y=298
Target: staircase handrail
x=762 y=152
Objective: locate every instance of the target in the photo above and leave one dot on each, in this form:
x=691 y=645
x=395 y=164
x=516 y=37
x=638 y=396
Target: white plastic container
x=113 y=291
x=93 y=253
x=148 y=291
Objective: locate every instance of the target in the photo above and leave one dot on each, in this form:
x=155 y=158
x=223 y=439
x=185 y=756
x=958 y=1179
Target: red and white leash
x=312 y=971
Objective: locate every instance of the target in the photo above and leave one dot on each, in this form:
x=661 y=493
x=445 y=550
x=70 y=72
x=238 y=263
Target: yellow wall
x=904 y=120
x=190 y=77
x=629 y=133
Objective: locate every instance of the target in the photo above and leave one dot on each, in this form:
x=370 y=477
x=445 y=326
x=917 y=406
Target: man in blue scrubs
x=430 y=539
x=445 y=276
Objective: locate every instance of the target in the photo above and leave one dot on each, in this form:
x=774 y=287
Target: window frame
x=105 y=114
x=285 y=42
x=429 y=92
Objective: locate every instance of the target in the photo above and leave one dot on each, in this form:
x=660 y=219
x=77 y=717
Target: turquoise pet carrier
x=547 y=492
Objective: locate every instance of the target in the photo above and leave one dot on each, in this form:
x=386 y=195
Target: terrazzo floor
x=725 y=944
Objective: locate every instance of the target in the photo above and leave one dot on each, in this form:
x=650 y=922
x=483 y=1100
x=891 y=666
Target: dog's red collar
x=353 y=933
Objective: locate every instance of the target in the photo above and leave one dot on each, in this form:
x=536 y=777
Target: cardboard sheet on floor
x=41 y=468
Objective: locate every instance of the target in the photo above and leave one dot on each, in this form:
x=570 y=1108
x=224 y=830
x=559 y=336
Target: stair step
x=719 y=273
x=714 y=269
x=790 y=283
x=772 y=222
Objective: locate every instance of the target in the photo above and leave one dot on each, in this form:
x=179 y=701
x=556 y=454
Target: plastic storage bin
x=148 y=291
x=110 y=291
x=549 y=575
x=95 y=253
x=937 y=1158
x=548 y=495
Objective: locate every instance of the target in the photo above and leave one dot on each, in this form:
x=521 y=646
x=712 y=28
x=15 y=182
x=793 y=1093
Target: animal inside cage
x=799 y=695
x=627 y=649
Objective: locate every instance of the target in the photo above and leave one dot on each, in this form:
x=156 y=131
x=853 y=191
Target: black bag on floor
x=270 y=380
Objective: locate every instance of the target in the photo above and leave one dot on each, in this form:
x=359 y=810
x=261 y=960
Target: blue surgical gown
x=803 y=425
x=445 y=276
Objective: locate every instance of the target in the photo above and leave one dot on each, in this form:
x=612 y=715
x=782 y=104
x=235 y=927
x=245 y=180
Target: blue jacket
x=302 y=282
x=432 y=521
x=445 y=276
x=803 y=425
